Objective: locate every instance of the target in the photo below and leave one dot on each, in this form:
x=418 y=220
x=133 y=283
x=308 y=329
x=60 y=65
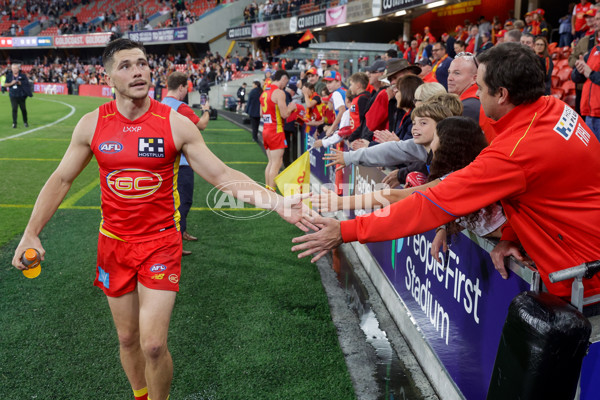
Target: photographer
x=18 y=90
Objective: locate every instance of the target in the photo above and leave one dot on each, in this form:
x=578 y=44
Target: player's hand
x=336 y=157
x=505 y=248
x=440 y=241
x=294 y=211
x=391 y=179
x=27 y=242
x=327 y=201
x=328 y=237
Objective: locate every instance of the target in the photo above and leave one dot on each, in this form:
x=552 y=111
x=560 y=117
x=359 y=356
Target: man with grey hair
x=514 y=35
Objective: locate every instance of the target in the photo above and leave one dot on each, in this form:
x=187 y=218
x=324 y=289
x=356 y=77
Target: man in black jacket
x=18 y=90
x=253 y=108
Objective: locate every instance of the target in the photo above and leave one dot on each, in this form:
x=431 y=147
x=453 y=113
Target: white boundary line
x=45 y=126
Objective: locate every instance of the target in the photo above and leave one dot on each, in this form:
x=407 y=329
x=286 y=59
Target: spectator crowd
x=63 y=15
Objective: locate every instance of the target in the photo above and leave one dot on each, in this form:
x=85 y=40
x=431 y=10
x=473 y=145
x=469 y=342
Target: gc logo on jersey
x=151 y=147
x=133 y=183
x=110 y=147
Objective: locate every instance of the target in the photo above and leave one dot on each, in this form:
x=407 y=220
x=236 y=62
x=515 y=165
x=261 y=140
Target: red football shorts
x=156 y=264
x=272 y=140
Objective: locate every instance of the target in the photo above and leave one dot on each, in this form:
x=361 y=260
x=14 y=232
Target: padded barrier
x=541 y=349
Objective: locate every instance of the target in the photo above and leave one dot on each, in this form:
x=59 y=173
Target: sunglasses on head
x=467 y=54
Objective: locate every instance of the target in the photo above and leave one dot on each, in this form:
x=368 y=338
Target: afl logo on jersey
x=110 y=147
x=133 y=183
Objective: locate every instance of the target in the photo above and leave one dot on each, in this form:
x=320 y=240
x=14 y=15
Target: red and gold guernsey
x=138 y=165
x=272 y=121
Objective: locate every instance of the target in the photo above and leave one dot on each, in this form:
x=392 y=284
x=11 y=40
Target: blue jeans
x=594 y=124
x=565 y=39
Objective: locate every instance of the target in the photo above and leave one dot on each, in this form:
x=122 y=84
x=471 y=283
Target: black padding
x=543 y=343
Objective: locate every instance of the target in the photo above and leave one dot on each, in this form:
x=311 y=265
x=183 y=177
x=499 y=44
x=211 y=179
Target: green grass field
x=251 y=321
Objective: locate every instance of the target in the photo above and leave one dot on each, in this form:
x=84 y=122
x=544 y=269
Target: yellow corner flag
x=295 y=178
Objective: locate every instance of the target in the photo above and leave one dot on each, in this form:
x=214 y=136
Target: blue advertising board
x=460 y=303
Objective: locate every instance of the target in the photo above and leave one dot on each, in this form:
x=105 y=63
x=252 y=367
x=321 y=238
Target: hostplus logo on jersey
x=151 y=147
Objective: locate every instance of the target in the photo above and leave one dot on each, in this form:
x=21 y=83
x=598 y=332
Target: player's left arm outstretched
x=229 y=180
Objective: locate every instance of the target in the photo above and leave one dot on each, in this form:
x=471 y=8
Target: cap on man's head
x=323 y=62
x=293 y=87
x=458 y=28
x=332 y=76
x=311 y=71
x=539 y=11
x=377 y=66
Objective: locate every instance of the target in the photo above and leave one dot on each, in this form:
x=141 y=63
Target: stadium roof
x=338 y=50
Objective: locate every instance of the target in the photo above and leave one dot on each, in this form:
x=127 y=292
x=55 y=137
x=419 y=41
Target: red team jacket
x=138 y=165
x=544 y=167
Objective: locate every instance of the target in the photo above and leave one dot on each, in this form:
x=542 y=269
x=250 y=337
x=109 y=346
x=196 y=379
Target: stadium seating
x=557 y=92
x=565 y=73
x=570 y=100
x=560 y=64
x=568 y=86
x=95 y=9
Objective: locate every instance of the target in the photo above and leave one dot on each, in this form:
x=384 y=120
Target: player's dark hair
x=176 y=79
x=517 y=69
x=280 y=73
x=118 y=45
